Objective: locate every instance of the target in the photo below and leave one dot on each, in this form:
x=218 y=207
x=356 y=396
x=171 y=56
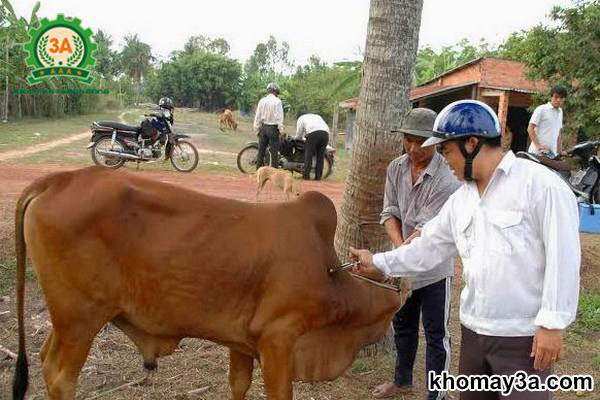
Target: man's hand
x=415 y=234
x=365 y=267
x=542 y=147
x=547 y=348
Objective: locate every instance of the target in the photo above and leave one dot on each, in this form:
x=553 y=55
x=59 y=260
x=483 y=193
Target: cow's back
x=174 y=262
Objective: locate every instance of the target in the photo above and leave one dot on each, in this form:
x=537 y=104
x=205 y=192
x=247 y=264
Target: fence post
x=334 y=125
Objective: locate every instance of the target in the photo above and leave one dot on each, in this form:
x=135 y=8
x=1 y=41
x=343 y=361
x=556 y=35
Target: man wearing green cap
x=418 y=183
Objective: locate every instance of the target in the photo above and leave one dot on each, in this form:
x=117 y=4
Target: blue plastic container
x=589 y=218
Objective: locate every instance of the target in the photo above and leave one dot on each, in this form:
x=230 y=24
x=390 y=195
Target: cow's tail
x=21 y=379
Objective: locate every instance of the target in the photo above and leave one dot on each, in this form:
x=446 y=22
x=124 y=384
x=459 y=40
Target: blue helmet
x=462 y=119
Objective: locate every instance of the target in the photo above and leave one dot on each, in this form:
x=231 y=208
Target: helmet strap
x=469 y=157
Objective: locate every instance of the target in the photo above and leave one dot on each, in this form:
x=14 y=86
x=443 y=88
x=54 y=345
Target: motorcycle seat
x=119 y=126
x=555 y=164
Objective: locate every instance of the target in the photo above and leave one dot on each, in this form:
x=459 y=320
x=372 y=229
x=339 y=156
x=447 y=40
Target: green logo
x=60 y=48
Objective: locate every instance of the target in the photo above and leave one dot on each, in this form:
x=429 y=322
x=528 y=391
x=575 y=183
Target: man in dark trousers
x=268 y=121
x=316 y=132
x=514 y=224
x=417 y=184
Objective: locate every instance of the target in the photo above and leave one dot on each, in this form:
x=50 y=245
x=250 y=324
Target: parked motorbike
x=114 y=143
x=584 y=180
x=291 y=158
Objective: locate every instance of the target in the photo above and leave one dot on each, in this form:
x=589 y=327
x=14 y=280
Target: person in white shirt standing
x=546 y=122
x=315 y=131
x=515 y=225
x=268 y=122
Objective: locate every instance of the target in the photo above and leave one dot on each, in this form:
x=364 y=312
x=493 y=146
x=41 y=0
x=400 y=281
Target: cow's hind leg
x=64 y=357
x=46 y=345
x=240 y=374
x=68 y=345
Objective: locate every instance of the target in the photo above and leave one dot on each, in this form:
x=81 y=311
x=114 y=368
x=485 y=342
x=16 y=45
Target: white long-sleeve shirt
x=519 y=245
x=309 y=123
x=269 y=111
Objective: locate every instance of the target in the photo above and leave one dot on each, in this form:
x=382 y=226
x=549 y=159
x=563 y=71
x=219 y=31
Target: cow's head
x=325 y=353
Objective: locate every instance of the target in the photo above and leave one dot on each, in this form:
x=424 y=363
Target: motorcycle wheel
x=246 y=159
x=105 y=143
x=184 y=156
x=327 y=167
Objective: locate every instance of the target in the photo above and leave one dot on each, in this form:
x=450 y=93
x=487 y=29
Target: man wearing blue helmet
x=514 y=225
x=417 y=185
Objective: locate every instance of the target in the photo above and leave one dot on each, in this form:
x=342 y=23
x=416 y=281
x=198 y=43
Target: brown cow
x=226 y=120
x=162 y=263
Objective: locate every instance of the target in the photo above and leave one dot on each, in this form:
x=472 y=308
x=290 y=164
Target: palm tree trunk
x=392 y=41
x=390 y=53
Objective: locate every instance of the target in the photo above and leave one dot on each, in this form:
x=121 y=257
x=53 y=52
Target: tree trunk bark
x=390 y=53
x=391 y=48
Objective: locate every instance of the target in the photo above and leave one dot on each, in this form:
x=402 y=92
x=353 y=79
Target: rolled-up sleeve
x=390 y=195
x=559 y=216
x=434 y=246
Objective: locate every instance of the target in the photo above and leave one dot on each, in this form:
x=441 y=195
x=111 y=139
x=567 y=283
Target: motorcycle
x=585 y=180
x=291 y=158
x=114 y=143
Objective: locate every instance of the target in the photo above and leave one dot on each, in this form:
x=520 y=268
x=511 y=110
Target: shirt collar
x=434 y=164
x=431 y=167
x=507 y=162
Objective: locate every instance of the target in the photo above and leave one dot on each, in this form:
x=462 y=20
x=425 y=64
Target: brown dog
x=226 y=120
x=282 y=179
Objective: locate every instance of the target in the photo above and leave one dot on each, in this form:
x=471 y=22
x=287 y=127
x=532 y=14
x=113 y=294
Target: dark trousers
x=268 y=136
x=433 y=302
x=316 y=144
x=495 y=355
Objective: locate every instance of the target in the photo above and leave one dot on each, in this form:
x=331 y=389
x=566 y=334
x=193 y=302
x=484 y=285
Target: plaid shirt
x=414 y=205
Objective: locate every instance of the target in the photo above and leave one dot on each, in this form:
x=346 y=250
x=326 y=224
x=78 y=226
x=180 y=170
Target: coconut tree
x=391 y=48
x=136 y=57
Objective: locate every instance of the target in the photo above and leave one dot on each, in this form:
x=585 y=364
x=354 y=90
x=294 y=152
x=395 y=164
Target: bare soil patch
x=199 y=364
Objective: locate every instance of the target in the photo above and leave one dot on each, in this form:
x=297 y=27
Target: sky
x=334 y=30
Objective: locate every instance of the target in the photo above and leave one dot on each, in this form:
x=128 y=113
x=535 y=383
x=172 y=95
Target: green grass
x=30 y=131
x=8 y=276
x=585 y=330
x=588 y=319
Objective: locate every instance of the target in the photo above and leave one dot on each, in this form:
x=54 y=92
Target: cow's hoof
x=150 y=365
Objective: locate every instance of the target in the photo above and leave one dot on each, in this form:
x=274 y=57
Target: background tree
x=567 y=52
x=430 y=63
x=269 y=58
x=107 y=60
x=204 y=44
x=316 y=86
x=136 y=57
x=391 y=49
x=204 y=80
